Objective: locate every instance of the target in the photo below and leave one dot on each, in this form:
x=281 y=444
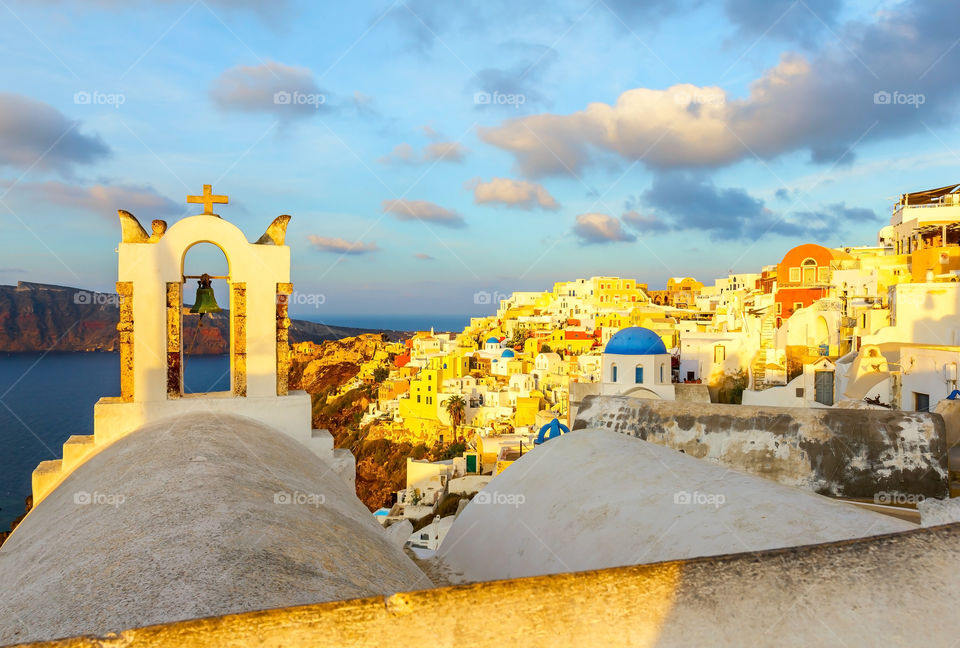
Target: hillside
x=329 y=373
x=40 y=317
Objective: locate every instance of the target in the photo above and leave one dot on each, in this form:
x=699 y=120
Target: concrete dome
x=508 y=353
x=493 y=340
x=594 y=498
x=194 y=516
x=635 y=340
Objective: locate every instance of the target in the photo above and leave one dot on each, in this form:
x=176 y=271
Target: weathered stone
x=840 y=452
x=125 y=332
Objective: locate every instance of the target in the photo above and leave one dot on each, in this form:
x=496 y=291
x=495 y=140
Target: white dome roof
x=593 y=499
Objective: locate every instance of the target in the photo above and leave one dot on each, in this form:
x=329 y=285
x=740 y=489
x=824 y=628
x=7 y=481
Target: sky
x=431 y=151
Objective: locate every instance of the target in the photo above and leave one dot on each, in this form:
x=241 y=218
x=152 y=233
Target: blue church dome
x=635 y=340
x=508 y=353
x=493 y=340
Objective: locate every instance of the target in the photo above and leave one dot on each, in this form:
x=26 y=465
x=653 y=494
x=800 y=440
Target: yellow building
x=453 y=365
x=612 y=320
x=422 y=402
x=526 y=411
x=614 y=291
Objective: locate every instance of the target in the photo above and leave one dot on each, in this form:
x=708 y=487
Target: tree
x=545 y=349
x=519 y=338
x=380 y=374
x=456 y=407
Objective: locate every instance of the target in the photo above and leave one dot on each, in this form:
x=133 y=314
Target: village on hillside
x=853 y=327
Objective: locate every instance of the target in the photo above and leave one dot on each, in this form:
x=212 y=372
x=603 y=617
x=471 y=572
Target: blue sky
x=637 y=139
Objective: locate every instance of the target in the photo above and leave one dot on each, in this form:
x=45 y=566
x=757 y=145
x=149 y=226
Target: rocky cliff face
x=40 y=317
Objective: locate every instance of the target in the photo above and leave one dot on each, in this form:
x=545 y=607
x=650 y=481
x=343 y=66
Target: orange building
x=804 y=276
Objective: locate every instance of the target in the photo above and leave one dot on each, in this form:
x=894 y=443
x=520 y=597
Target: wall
x=838 y=452
x=816 y=595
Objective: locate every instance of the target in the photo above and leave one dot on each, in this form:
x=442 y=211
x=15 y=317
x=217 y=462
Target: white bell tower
x=150 y=287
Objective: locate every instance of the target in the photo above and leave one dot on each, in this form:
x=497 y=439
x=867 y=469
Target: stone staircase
x=758 y=369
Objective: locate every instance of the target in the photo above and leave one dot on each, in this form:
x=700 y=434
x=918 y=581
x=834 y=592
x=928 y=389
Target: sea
x=407 y=322
x=46 y=398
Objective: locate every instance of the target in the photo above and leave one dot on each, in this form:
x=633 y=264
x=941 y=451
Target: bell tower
x=150 y=287
x=151 y=284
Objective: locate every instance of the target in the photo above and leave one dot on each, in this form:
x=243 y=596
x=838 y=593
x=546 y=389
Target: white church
x=636 y=363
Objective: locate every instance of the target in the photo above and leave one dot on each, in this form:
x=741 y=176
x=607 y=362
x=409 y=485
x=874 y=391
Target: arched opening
x=822 y=334
x=809 y=268
x=613 y=373
x=205 y=338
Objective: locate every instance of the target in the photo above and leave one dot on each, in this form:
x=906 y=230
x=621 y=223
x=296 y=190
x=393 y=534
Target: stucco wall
x=838 y=452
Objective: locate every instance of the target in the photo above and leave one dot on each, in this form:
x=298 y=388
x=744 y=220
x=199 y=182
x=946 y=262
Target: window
x=823 y=274
x=921 y=402
x=794 y=275
x=689 y=375
x=779 y=307
x=797 y=305
x=613 y=373
x=638 y=375
x=799 y=392
x=661 y=373
x=719 y=353
x=864 y=321
x=418 y=398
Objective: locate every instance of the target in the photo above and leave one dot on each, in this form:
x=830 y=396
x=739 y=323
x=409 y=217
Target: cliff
x=40 y=317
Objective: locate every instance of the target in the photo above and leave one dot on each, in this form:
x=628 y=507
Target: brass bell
x=206 y=301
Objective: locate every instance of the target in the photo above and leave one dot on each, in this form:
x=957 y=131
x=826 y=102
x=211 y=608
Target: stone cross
x=207 y=200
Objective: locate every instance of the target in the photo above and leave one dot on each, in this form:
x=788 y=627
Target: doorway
x=823 y=387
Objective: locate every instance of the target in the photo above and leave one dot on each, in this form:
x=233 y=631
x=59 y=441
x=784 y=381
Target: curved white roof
x=194 y=516
x=595 y=498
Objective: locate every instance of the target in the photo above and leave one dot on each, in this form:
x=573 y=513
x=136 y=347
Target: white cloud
x=600 y=228
x=36 y=135
x=103 y=199
x=518 y=193
x=423 y=210
x=404 y=153
x=285 y=91
x=341 y=246
x=823 y=104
